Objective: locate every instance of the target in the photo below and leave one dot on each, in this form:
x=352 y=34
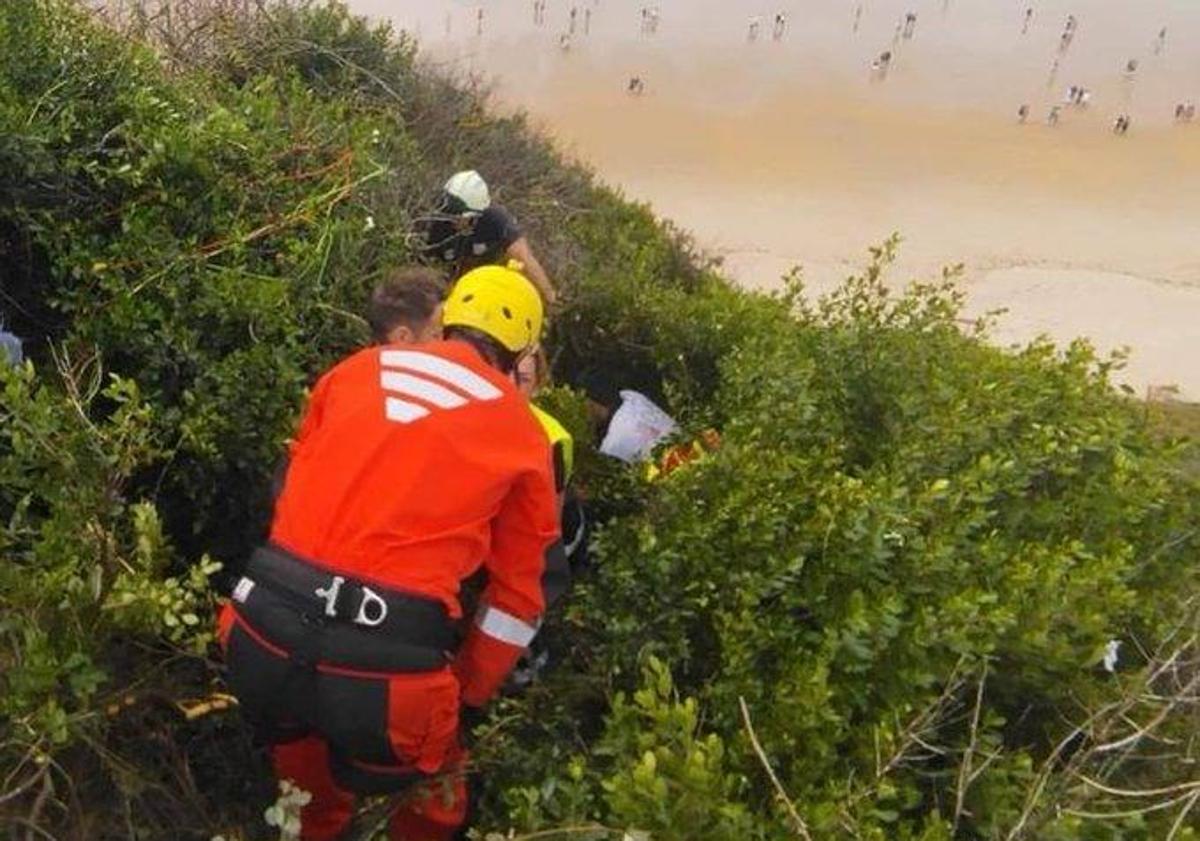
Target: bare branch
x=801 y=826
x=964 y=768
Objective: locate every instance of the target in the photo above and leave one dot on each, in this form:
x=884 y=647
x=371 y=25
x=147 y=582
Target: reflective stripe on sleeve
x=507 y=628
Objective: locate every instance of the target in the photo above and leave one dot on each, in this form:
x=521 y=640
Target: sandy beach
x=786 y=152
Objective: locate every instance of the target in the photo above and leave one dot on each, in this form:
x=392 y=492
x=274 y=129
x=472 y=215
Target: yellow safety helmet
x=498 y=301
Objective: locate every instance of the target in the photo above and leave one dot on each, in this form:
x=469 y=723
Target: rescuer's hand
x=470 y=717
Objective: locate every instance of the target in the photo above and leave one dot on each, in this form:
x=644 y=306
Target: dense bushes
x=908 y=558
x=879 y=611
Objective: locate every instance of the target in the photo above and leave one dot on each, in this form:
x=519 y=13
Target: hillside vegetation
x=880 y=611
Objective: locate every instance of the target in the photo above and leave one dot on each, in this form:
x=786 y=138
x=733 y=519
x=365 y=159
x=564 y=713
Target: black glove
x=470 y=717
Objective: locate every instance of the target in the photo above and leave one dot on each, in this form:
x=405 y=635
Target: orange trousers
x=433 y=811
x=412 y=719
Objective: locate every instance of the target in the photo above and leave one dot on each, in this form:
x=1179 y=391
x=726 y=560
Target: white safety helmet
x=468 y=190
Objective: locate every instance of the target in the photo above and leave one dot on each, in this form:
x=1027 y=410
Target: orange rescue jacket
x=414 y=466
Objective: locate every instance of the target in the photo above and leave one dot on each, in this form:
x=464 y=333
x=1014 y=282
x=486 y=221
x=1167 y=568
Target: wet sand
x=788 y=153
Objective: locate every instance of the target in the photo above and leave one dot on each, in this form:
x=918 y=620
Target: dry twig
x=797 y=821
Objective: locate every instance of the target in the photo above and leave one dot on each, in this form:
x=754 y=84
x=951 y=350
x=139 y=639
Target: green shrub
x=878 y=611
x=897 y=511
x=81 y=566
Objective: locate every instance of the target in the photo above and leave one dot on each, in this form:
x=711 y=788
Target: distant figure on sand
x=780 y=26
x=1121 y=126
x=571 y=25
x=649 y=20
x=1052 y=117
x=752 y=32
x=1022 y=114
x=857 y=16
x=1161 y=41
x=910 y=25
x=1131 y=66
x=652 y=19
x=637 y=87
x=1185 y=112
x=1028 y=18
x=880 y=66
x=1068 y=34
x=564 y=41
x=479 y=21
x=587 y=21
x=1078 y=95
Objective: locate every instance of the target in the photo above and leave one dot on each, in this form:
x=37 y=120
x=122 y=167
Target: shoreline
x=781 y=154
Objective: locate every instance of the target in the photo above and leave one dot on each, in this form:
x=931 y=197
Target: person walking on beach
x=1161 y=41
x=479 y=21
x=880 y=66
x=910 y=25
x=780 y=26
x=1052 y=117
x=1078 y=95
x=857 y=16
x=1023 y=114
x=1121 y=126
x=652 y=20
x=1068 y=34
x=1028 y=19
x=752 y=32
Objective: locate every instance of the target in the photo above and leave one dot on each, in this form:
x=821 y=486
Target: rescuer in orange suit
x=414 y=466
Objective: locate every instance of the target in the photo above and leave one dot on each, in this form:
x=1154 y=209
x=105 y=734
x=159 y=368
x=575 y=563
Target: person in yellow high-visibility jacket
x=531 y=375
x=571 y=550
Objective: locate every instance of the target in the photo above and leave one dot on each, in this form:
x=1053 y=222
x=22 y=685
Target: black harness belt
x=324 y=618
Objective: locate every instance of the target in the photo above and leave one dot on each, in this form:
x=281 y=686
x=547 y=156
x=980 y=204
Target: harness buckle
x=369 y=598
x=330 y=595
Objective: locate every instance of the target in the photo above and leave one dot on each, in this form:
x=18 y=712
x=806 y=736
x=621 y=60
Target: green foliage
x=906 y=560
x=897 y=513
x=80 y=567
x=679 y=786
